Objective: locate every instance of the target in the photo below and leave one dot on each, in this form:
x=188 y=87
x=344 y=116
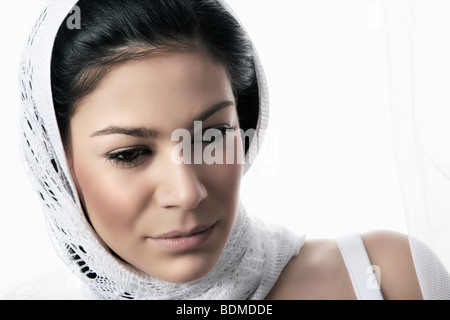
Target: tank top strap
x=363 y=275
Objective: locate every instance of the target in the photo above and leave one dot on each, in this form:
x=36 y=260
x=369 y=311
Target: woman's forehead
x=168 y=89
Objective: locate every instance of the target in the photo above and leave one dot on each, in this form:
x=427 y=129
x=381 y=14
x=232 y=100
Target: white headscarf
x=252 y=260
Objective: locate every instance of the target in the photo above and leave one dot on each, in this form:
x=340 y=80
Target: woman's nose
x=182 y=187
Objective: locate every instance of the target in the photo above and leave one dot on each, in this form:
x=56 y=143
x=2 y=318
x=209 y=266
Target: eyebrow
x=151 y=133
x=208 y=113
x=135 y=132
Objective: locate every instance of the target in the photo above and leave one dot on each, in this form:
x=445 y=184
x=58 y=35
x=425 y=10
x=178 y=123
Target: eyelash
x=137 y=159
x=224 y=130
x=138 y=153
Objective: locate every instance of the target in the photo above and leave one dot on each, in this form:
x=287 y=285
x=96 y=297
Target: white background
x=327 y=167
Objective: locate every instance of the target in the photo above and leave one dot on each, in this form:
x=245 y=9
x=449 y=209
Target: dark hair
x=115 y=31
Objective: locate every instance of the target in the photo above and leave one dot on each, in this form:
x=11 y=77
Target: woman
x=139 y=123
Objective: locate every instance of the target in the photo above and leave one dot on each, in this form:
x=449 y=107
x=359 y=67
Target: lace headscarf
x=253 y=257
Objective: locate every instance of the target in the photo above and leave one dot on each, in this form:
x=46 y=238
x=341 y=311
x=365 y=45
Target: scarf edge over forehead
x=253 y=257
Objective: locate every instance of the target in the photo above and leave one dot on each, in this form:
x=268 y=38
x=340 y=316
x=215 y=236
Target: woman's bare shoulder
x=390 y=251
x=317 y=272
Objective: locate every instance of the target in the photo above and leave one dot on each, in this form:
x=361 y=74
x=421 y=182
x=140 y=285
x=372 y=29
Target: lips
x=184 y=240
x=181 y=234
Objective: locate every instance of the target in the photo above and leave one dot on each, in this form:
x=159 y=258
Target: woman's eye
x=216 y=134
x=129 y=157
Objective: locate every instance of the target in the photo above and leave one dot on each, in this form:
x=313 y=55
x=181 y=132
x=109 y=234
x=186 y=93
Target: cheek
x=112 y=201
x=224 y=179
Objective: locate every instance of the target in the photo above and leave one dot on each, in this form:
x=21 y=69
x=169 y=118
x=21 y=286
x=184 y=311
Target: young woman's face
x=171 y=220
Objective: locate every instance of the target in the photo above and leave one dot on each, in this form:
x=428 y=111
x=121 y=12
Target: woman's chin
x=183 y=274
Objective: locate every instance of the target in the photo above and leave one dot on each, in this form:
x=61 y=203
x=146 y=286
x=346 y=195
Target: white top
x=365 y=277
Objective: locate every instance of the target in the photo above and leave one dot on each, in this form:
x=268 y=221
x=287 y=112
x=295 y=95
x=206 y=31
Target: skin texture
x=128 y=204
